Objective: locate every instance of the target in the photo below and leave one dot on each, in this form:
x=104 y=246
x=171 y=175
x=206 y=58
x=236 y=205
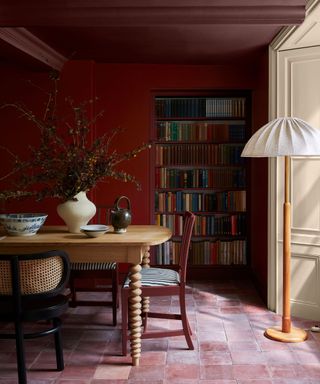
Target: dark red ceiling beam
x=32 y=13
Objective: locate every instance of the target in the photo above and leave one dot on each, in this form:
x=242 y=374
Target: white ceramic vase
x=76 y=213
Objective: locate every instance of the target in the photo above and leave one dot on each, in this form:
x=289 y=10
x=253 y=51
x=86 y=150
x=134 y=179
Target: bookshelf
x=198 y=139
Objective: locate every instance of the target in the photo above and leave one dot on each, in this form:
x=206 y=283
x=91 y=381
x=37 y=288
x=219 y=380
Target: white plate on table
x=95 y=230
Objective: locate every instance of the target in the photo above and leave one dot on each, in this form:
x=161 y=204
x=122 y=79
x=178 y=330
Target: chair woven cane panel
x=36 y=276
x=5 y=278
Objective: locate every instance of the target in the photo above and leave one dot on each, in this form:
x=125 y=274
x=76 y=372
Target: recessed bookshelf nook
x=197 y=166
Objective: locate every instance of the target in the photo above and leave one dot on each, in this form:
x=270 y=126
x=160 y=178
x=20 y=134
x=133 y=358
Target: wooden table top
x=58 y=235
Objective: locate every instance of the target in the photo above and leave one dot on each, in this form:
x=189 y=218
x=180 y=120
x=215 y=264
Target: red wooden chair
x=163 y=282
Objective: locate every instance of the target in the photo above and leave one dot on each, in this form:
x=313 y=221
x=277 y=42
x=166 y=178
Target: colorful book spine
x=208 y=131
x=206 y=252
x=225 y=201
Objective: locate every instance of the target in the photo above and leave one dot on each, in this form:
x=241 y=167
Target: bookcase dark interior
x=199 y=137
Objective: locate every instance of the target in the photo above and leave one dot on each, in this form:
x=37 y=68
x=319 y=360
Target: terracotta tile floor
x=228 y=320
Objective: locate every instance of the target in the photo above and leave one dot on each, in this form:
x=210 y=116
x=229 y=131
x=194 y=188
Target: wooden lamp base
x=295 y=336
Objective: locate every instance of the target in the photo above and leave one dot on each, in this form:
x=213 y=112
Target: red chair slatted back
x=189 y=219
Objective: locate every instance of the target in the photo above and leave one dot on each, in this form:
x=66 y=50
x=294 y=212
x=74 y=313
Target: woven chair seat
x=93 y=266
x=157 y=277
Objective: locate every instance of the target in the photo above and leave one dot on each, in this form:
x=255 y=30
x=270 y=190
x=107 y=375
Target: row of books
x=188 y=107
x=199 y=154
x=200 y=202
x=200 y=178
x=217 y=131
x=206 y=225
x=204 y=252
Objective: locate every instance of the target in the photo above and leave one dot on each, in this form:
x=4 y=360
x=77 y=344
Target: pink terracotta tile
x=218 y=381
x=182 y=371
x=237 y=334
x=38 y=375
x=262 y=381
x=112 y=372
x=247 y=345
x=78 y=372
x=311 y=371
x=181 y=381
x=142 y=382
x=84 y=358
x=182 y=357
x=308 y=357
x=154 y=359
x=147 y=373
x=180 y=344
x=213 y=336
x=253 y=357
x=154 y=345
x=215 y=358
x=229 y=303
x=286 y=371
x=290 y=381
x=214 y=346
x=117 y=360
x=308 y=345
x=280 y=357
x=10 y=381
x=229 y=341
x=216 y=372
x=257 y=371
x=63 y=381
x=231 y=310
x=251 y=308
x=270 y=345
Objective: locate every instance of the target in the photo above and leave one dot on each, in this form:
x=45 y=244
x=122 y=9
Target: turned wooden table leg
x=146 y=264
x=135 y=313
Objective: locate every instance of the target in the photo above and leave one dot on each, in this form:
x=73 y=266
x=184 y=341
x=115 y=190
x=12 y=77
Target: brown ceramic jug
x=121 y=217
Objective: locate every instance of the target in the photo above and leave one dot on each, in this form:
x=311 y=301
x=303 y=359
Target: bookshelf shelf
x=198 y=140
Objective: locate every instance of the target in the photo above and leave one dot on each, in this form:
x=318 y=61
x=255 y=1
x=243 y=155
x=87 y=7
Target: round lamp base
x=295 y=336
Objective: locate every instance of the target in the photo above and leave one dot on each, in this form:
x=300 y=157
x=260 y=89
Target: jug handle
x=116 y=203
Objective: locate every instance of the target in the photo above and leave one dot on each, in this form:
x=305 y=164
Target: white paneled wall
x=296 y=90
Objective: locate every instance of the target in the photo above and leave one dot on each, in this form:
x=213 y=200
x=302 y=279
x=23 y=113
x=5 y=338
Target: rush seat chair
x=102 y=277
x=31 y=290
x=163 y=282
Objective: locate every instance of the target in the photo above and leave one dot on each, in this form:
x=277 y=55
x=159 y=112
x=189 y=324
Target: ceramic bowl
x=22 y=224
x=94 y=230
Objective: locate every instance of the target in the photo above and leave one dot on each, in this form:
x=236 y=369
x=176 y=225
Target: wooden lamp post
x=287 y=136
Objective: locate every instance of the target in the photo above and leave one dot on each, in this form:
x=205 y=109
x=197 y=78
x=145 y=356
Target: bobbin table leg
x=135 y=314
x=146 y=264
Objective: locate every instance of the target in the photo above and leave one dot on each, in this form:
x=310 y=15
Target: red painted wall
x=125 y=94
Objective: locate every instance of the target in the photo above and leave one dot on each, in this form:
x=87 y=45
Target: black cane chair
x=163 y=282
x=102 y=277
x=31 y=290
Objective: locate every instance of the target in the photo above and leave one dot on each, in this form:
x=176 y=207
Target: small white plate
x=94 y=230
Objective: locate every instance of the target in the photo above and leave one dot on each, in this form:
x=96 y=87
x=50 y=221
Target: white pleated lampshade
x=284 y=136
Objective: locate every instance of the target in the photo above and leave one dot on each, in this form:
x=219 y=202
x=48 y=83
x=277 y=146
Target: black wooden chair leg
x=58 y=344
x=22 y=374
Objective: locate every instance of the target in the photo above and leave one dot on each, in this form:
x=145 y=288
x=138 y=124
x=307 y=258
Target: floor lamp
x=287 y=136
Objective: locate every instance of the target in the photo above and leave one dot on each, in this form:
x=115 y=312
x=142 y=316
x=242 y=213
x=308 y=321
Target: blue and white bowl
x=22 y=224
